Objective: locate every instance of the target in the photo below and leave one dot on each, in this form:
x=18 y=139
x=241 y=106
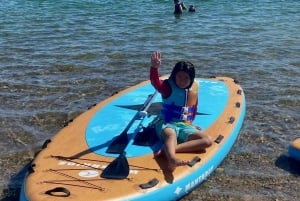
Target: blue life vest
x=181 y=104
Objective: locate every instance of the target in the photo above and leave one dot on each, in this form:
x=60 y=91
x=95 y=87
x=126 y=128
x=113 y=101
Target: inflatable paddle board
x=294 y=149
x=107 y=153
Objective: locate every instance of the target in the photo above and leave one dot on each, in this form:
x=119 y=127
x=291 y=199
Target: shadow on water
x=288 y=164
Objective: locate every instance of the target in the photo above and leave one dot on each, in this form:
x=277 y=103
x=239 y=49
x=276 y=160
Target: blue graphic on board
x=112 y=119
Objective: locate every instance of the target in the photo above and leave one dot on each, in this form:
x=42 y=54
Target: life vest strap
x=178 y=109
x=171 y=115
x=185 y=117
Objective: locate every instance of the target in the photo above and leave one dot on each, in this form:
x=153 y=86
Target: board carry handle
x=58 y=192
x=118 y=145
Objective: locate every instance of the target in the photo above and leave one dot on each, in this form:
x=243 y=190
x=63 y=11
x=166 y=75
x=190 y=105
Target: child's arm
x=161 y=86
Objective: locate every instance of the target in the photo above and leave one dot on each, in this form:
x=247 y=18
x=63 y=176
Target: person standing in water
x=178 y=7
x=192 y=8
x=180 y=99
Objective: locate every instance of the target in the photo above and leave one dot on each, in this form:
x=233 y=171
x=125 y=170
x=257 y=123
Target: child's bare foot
x=175 y=162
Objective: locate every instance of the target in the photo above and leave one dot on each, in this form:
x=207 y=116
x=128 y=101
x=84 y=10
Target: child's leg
x=170 y=146
x=196 y=142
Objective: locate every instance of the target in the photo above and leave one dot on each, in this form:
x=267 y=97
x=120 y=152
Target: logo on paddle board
x=88 y=173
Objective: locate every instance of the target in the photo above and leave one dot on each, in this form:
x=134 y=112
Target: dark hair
x=186 y=67
x=192 y=8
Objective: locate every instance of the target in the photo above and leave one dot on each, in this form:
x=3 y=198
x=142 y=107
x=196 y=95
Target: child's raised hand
x=155 y=59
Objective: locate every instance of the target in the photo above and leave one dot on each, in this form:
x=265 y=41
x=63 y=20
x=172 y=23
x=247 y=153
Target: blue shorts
x=182 y=130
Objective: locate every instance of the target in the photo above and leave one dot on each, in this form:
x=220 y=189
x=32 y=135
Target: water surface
x=59 y=57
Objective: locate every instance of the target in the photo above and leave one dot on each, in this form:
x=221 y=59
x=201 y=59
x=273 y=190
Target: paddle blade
x=117 y=169
x=118 y=145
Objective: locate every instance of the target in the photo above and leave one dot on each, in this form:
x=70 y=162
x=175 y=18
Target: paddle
x=119 y=168
x=118 y=145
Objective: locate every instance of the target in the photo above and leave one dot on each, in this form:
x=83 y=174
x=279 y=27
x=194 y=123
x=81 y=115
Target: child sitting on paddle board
x=180 y=99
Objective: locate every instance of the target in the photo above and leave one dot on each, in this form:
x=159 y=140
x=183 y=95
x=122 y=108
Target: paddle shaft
x=143 y=110
x=118 y=145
